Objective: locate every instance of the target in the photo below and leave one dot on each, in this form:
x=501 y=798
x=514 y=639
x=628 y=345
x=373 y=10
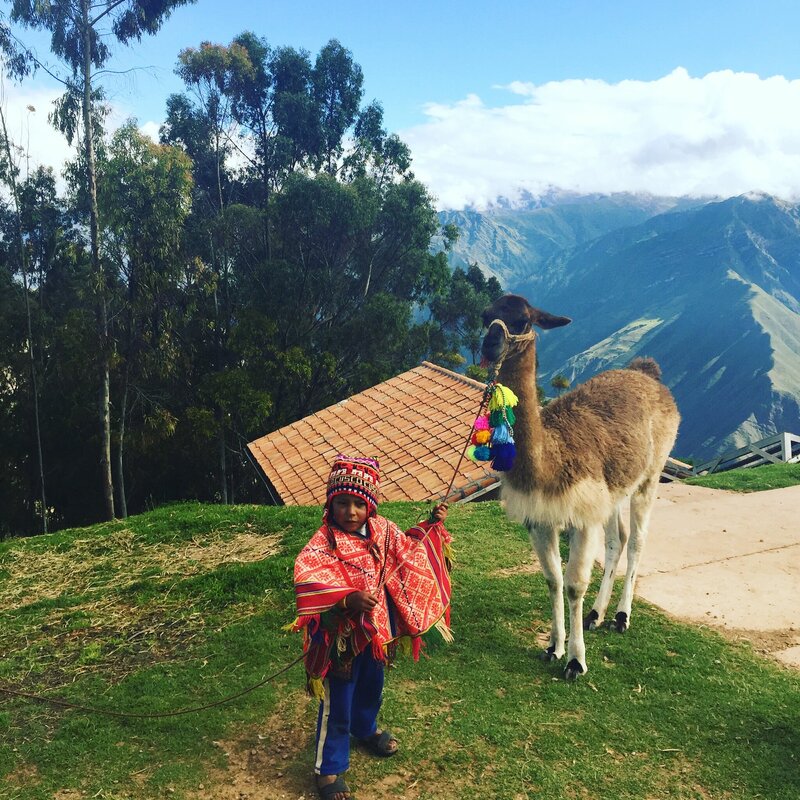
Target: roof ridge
x=456 y=375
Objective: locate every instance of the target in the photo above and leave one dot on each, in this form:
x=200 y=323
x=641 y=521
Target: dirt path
x=728 y=560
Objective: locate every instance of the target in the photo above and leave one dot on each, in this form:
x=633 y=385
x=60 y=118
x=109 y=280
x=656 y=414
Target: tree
x=79 y=42
x=458 y=311
x=9 y=173
x=144 y=199
x=560 y=383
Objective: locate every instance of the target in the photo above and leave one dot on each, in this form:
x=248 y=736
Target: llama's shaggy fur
x=578 y=459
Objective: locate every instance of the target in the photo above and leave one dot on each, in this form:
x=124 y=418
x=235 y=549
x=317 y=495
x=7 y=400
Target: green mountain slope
x=711 y=291
x=513 y=243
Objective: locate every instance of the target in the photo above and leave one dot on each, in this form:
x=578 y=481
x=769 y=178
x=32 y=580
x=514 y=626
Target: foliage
x=269 y=257
x=458 y=311
x=560 y=383
x=184 y=605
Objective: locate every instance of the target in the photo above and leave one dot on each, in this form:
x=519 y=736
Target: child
x=361 y=584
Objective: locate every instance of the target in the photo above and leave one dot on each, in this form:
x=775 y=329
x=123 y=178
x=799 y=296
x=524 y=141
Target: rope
x=514 y=340
x=487 y=393
x=54 y=701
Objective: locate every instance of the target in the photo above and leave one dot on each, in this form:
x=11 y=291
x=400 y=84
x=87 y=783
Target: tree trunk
x=100 y=287
x=122 y=500
x=23 y=265
x=223 y=468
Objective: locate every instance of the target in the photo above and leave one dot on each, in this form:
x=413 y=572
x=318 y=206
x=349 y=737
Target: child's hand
x=361 y=601
x=439 y=513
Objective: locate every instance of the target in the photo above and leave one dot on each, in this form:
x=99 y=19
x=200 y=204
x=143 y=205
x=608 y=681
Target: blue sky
x=476 y=88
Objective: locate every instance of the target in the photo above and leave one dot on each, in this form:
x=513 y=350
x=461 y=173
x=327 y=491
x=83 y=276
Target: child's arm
x=439 y=513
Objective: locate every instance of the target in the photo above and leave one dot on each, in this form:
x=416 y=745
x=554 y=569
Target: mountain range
x=709 y=288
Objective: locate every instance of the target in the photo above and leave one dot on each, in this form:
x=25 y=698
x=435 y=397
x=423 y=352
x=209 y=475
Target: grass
x=184 y=605
x=753 y=479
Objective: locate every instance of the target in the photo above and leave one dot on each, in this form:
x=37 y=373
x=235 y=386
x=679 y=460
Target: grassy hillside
x=752 y=479
x=184 y=605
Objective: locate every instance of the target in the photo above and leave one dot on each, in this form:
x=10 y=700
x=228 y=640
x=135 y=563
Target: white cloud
x=38 y=143
x=724 y=134
x=26 y=111
x=151 y=129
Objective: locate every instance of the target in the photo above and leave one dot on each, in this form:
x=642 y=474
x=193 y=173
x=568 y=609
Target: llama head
x=509 y=321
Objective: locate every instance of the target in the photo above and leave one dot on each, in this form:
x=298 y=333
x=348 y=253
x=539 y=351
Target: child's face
x=349 y=512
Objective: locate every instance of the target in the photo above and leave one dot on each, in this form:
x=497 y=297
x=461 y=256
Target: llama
x=578 y=459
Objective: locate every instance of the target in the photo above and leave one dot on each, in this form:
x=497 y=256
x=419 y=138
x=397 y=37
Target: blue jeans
x=349 y=708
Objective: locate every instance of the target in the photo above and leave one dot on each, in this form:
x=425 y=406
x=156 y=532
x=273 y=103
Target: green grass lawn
x=184 y=605
x=753 y=479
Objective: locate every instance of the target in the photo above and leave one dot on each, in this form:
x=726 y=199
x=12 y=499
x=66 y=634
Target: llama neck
x=532 y=464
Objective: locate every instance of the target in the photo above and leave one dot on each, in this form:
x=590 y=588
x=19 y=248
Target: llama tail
x=646 y=365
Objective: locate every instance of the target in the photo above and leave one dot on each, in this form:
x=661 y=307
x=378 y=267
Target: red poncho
x=415 y=597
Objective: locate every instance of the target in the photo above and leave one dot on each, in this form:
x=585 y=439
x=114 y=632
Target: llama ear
x=544 y=320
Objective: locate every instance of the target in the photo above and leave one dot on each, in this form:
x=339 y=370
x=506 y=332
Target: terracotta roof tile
x=416 y=424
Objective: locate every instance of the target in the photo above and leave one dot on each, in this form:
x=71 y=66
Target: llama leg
x=641 y=507
x=545 y=543
x=616 y=539
x=582 y=544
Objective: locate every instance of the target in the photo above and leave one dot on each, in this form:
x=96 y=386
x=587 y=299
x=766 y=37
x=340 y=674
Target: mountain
x=513 y=241
x=711 y=292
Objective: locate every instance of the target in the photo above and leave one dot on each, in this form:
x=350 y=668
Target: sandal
x=330 y=790
x=381 y=744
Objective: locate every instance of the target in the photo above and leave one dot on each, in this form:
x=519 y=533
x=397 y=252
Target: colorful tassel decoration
x=504 y=415
x=502 y=397
x=503 y=456
x=481 y=437
x=501 y=434
x=483 y=453
x=493 y=437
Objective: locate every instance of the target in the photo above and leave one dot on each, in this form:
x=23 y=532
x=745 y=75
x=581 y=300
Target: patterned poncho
x=410 y=567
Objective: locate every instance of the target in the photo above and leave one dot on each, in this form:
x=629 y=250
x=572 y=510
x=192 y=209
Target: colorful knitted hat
x=358 y=476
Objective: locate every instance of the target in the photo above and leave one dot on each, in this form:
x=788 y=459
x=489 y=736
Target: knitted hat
x=357 y=476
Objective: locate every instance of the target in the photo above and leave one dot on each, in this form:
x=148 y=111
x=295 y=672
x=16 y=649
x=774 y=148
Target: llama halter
x=514 y=341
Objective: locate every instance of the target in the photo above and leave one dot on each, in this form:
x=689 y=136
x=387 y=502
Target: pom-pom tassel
x=482 y=437
x=502 y=415
x=483 y=453
x=316 y=688
x=502 y=396
x=501 y=434
x=378 y=652
x=503 y=457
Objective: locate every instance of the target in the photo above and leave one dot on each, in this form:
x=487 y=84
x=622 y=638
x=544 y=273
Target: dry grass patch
x=116 y=560
x=100 y=628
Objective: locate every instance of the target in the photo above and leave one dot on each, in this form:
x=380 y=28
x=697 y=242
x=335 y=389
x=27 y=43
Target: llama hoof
x=590 y=622
x=573 y=670
x=549 y=654
x=621 y=622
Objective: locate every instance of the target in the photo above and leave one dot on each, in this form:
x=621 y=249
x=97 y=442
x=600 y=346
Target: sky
x=673 y=98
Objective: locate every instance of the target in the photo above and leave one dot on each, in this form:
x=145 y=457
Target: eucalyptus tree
x=144 y=198
x=457 y=312
x=80 y=34
x=8 y=173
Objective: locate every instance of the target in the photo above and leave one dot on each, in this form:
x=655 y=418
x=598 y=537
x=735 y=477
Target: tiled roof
x=415 y=424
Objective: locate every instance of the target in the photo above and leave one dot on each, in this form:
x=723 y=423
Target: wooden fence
x=782 y=448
